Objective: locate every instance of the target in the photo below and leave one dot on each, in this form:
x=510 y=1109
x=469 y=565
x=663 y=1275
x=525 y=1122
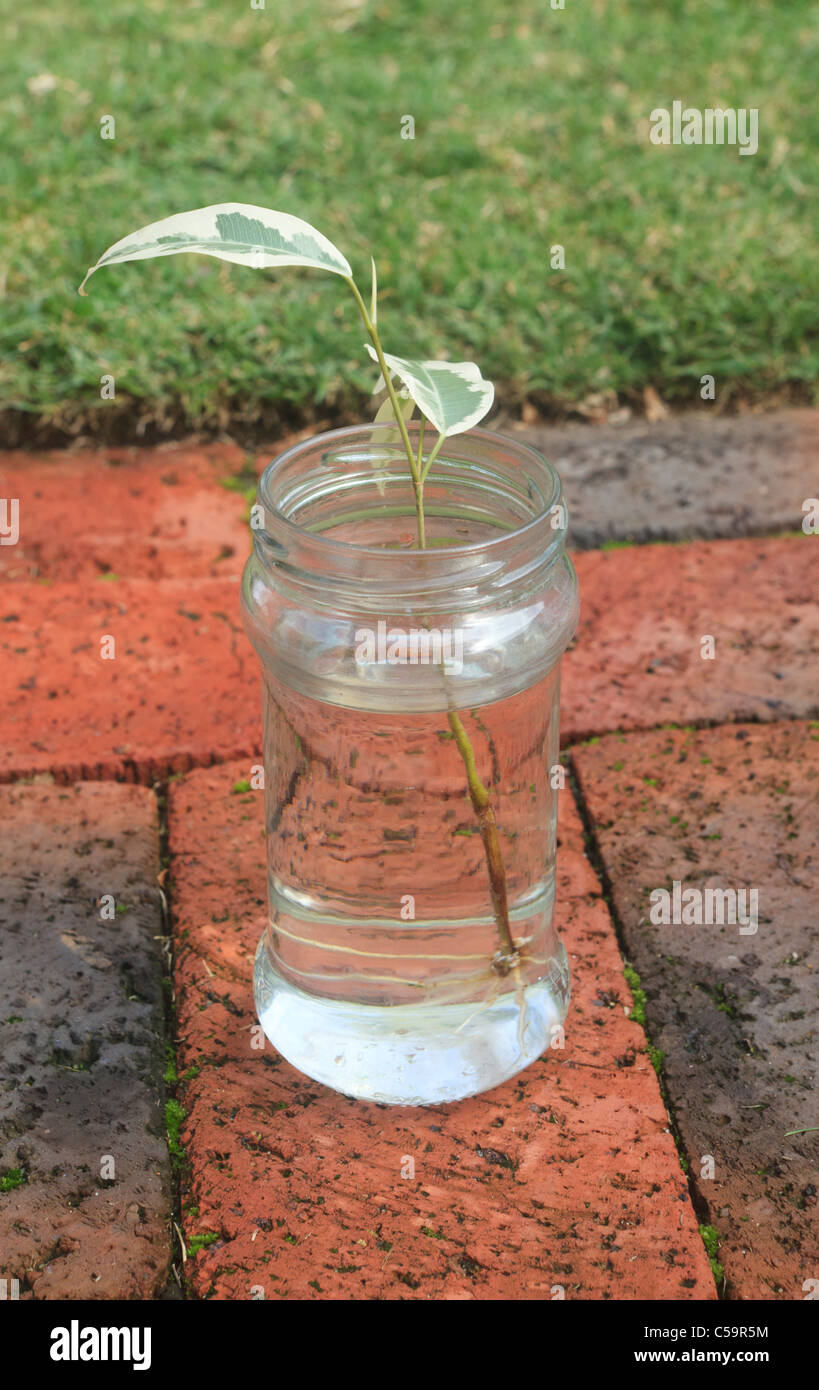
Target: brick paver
x=164 y=512
x=140 y=513
x=638 y=656
x=567 y=1176
x=82 y=1144
x=695 y=476
x=734 y=1011
x=183 y=687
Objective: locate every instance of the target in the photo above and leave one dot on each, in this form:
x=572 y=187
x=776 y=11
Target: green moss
x=241 y=786
x=638 y=1013
x=239 y=483
x=710 y=1240
x=720 y=998
x=15 y=1177
x=174 y=1119
x=200 y=1242
x=169 y=1075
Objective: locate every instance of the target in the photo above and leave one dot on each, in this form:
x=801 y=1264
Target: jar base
x=410 y=1054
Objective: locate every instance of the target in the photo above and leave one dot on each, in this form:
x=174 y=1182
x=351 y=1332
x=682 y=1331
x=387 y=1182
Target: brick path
x=566 y=1180
x=566 y=1176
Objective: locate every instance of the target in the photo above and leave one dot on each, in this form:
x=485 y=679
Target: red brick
x=578 y=1184
x=636 y=662
x=734 y=1014
x=188 y=686
x=182 y=690
x=141 y=513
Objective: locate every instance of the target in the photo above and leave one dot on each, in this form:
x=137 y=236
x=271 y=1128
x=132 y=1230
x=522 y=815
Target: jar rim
x=486 y=548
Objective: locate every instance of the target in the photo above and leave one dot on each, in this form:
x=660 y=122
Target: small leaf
x=238 y=232
x=453 y=395
x=385 y=413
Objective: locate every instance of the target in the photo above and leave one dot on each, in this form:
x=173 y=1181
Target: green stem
x=508 y=956
x=417 y=484
x=433 y=454
x=387 y=375
x=420 y=456
x=418 y=487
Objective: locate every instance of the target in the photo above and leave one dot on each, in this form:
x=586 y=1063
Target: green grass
x=531 y=129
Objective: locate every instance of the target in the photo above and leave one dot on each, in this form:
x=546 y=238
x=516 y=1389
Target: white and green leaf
x=385 y=411
x=452 y=395
x=238 y=232
x=384 y=415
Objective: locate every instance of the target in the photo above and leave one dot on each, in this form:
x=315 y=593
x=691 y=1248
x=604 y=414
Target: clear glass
x=383 y=970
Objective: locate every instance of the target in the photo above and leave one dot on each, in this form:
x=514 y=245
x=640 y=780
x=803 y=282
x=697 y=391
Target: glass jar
x=410 y=710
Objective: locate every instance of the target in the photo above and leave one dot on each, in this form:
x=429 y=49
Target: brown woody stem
x=508 y=956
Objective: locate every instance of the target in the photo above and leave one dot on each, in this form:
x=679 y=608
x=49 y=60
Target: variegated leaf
x=452 y=395
x=238 y=232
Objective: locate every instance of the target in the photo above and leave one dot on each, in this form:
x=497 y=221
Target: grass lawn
x=531 y=129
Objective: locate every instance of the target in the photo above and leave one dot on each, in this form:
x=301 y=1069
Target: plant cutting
x=410 y=955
